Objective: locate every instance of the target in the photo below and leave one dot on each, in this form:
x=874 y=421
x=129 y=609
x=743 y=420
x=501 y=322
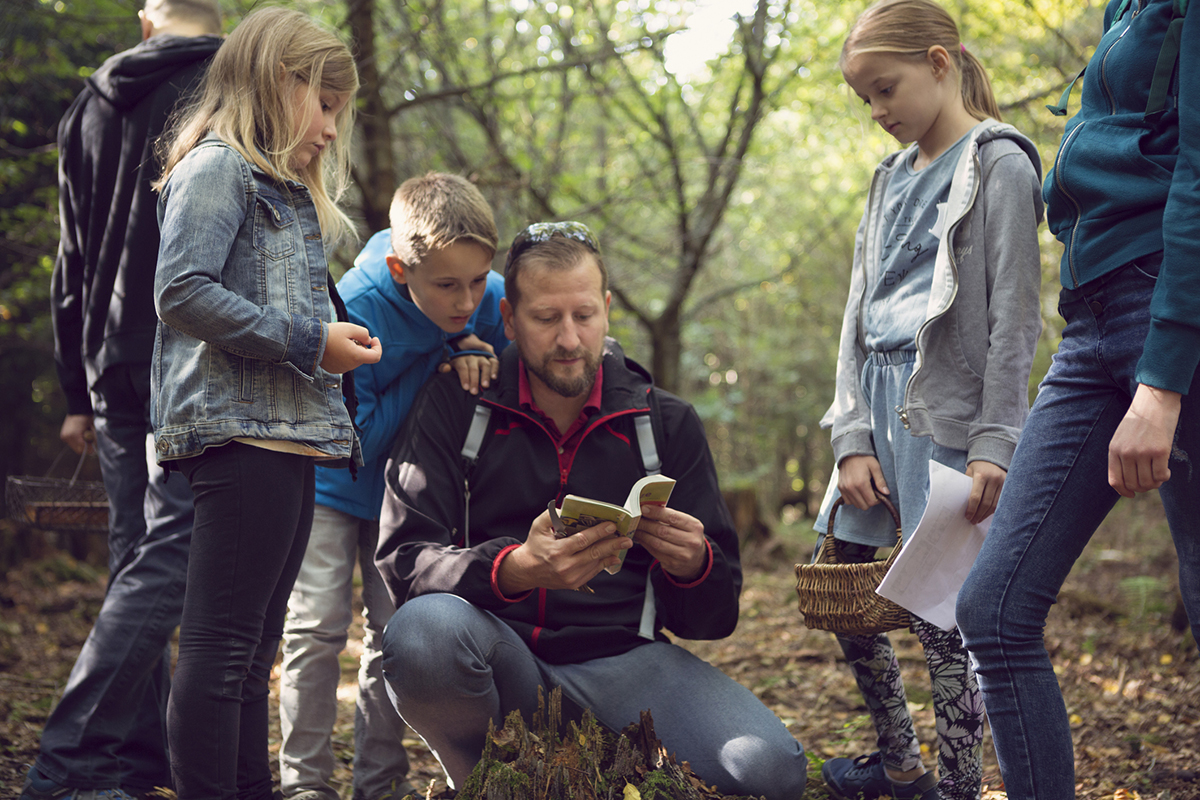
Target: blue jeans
x=452 y=667
x=1056 y=495
x=253 y=514
x=109 y=727
x=319 y=614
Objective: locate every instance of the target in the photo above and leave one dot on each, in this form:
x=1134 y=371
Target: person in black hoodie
x=106 y=736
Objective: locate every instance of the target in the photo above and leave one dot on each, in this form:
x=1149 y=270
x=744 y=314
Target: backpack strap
x=644 y=426
x=1156 y=104
x=1168 y=54
x=647 y=436
x=1060 y=110
x=475 y=434
x=470 y=454
x=1121 y=9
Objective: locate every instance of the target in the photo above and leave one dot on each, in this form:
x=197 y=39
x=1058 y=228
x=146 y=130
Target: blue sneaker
x=38 y=787
x=863 y=778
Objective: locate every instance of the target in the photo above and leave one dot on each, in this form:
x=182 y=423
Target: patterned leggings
x=957 y=703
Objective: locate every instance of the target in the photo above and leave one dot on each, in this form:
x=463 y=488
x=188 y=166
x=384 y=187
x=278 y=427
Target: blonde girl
x=247 y=385
x=936 y=347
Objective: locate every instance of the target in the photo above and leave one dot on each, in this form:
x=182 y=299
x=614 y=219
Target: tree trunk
x=375 y=171
x=666 y=341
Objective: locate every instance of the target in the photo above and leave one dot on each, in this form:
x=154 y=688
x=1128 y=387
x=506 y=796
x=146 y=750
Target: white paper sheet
x=935 y=561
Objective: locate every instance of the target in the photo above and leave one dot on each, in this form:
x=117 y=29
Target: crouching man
x=492 y=605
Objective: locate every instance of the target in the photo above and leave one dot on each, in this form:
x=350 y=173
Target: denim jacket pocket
x=274 y=221
x=245 y=374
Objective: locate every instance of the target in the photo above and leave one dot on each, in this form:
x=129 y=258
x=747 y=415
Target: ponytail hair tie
x=962 y=47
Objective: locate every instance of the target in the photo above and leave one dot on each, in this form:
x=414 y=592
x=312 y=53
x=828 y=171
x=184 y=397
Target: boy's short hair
x=436 y=210
x=204 y=13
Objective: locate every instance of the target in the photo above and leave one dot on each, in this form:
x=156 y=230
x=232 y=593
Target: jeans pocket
x=1147 y=267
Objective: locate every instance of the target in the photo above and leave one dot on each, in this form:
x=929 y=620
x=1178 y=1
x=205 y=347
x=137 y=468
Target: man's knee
x=774 y=767
x=422 y=639
x=778 y=771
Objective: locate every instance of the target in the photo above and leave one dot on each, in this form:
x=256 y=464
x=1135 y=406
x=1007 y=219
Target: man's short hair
x=202 y=13
x=556 y=253
x=435 y=211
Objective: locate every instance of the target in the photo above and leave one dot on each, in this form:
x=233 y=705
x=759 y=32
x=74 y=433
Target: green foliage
x=730 y=263
x=658 y=786
x=1146 y=594
x=59 y=569
x=46 y=51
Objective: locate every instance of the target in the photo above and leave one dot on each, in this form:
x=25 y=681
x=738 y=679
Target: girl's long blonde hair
x=247 y=98
x=910 y=28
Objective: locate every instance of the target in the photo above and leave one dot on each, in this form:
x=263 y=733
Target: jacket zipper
x=1062 y=187
x=562 y=479
x=1112 y=101
x=948 y=233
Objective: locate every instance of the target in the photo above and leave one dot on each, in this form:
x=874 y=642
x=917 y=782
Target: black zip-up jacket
x=421 y=547
x=102 y=290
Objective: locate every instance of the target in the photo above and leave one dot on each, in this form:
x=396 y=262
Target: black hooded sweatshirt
x=102 y=290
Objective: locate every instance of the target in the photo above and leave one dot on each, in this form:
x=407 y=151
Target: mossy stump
x=586 y=762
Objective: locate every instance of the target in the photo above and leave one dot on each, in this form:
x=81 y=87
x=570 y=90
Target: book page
x=935 y=561
x=652 y=490
x=579 y=512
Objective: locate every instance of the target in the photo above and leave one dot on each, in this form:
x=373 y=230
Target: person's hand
x=855 y=475
x=544 y=561
x=475 y=372
x=79 y=433
x=987 y=480
x=1140 y=450
x=674 y=538
x=349 y=346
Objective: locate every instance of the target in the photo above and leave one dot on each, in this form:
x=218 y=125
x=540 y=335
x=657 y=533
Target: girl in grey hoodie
x=936 y=348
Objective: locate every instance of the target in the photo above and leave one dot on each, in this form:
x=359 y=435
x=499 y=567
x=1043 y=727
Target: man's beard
x=567 y=387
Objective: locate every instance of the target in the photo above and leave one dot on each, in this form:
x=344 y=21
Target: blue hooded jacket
x=413 y=346
x=1123 y=188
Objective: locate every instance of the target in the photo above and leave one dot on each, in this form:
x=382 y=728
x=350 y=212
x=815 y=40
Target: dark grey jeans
x=108 y=728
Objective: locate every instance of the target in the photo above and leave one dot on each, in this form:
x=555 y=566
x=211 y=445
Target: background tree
x=726 y=193
x=44 y=56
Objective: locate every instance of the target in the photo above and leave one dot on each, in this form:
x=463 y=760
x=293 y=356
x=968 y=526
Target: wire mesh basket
x=57 y=504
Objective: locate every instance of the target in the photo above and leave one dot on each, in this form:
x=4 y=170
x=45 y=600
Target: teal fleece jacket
x=1123 y=188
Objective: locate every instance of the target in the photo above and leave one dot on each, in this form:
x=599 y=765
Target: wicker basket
x=57 y=504
x=840 y=597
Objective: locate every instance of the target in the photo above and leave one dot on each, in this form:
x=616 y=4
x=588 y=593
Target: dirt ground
x=1128 y=668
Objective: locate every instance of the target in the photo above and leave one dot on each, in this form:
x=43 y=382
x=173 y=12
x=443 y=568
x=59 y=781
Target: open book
x=578 y=512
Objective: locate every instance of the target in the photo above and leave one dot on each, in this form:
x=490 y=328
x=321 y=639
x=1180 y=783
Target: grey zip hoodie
x=969 y=388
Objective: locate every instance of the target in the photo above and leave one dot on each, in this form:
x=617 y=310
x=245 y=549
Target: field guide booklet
x=935 y=561
x=578 y=512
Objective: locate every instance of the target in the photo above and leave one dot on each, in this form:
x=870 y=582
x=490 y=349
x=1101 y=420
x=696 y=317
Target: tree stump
x=586 y=762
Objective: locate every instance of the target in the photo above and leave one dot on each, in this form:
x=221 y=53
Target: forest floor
x=1130 y=673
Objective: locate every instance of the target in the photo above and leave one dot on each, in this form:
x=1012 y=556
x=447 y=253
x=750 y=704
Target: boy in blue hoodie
x=426 y=289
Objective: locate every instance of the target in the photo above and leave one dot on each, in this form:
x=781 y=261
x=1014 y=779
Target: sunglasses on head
x=542 y=232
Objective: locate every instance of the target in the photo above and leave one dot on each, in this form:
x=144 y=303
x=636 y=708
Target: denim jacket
x=243 y=301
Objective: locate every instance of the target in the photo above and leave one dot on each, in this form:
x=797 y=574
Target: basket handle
x=882 y=499
x=78 y=466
